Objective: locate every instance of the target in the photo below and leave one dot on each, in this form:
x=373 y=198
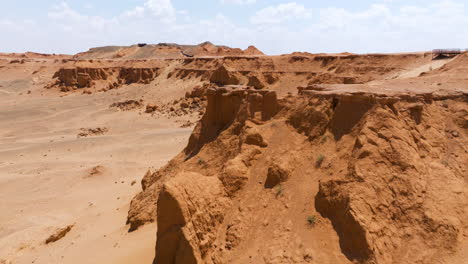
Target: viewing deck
x=445 y=53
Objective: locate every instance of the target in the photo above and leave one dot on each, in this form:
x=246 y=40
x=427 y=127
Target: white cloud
x=6 y=23
x=63 y=11
x=383 y=28
x=280 y=13
x=72 y=21
x=138 y=11
x=437 y=18
x=238 y=2
x=339 y=18
x=161 y=9
x=15 y=26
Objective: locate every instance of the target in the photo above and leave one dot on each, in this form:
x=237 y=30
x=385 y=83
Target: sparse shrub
x=202 y=163
x=311 y=220
x=319 y=160
x=445 y=163
x=324 y=139
x=279 y=190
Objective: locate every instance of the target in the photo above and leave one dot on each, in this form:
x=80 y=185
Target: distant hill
x=165 y=50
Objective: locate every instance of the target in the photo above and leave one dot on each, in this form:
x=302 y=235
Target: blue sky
x=275 y=26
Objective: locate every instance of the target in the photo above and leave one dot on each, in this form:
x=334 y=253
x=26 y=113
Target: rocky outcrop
x=255 y=82
x=198 y=91
x=276 y=175
x=127 y=105
x=252 y=50
x=143 y=206
x=137 y=75
x=228 y=109
x=253 y=137
x=80 y=77
x=235 y=175
x=75 y=78
x=231 y=106
x=273 y=72
x=391 y=180
x=389 y=204
x=59 y=234
x=190 y=209
x=328 y=78
x=222 y=76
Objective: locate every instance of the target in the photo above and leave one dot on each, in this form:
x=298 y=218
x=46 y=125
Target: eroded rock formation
x=186 y=235
x=231 y=106
x=77 y=77
x=80 y=77
x=222 y=76
x=228 y=108
x=389 y=205
x=391 y=181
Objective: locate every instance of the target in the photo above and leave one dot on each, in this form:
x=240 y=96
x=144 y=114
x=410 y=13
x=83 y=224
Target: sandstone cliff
x=75 y=78
x=375 y=178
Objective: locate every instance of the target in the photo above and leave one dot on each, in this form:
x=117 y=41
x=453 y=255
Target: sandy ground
x=45 y=181
x=415 y=72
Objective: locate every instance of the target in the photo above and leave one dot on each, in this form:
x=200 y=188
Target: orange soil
x=365 y=164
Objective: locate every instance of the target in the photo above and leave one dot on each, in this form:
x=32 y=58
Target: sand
x=45 y=181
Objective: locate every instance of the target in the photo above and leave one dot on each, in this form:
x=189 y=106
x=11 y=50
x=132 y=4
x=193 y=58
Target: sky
x=273 y=26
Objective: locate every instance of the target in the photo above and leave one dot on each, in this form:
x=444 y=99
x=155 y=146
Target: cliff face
x=375 y=178
x=76 y=78
x=228 y=109
x=280 y=73
x=231 y=105
x=80 y=77
x=403 y=188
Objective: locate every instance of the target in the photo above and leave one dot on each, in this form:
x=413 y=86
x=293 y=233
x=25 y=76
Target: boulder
x=235 y=175
x=255 y=138
x=276 y=175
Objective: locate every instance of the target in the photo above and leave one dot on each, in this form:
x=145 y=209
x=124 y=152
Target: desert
x=209 y=154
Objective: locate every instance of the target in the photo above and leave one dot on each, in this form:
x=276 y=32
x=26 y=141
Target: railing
x=446 y=51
